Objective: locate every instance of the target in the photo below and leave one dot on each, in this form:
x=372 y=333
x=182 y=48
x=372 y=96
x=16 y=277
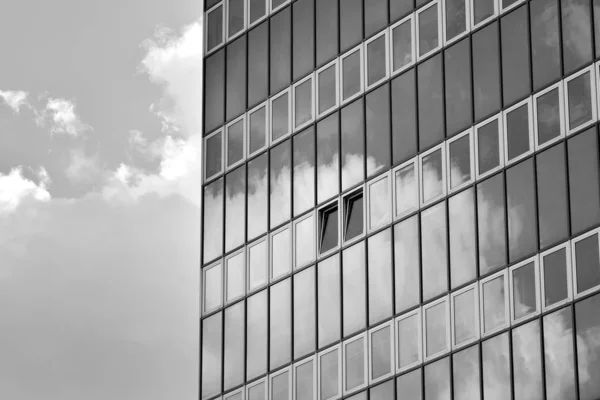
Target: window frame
x=567 y=246
x=594 y=105
x=226 y=143
x=500 y=166
x=574 y=241
x=365 y=54
x=330 y=349
x=504 y=10
x=316 y=93
x=271 y=100
x=297 y=221
x=310 y=77
x=482 y=282
x=526 y=102
x=467 y=30
x=511 y=270
x=279 y=372
x=366 y=352
x=245 y=18
x=440 y=26
x=469 y=133
x=346 y=199
x=422 y=201
x=444 y=299
x=235 y=392
x=216 y=264
x=360 y=49
x=266 y=105
x=561 y=106
x=271 y=10
x=416 y=312
x=265 y=238
x=481 y=23
x=390 y=325
x=414 y=161
x=368 y=185
x=295 y=366
x=236 y=253
x=272 y=234
x=334 y=203
x=409 y=18
x=224 y=29
x=250 y=24
x=214 y=176
x=475 y=288
x=597 y=76
x=257 y=382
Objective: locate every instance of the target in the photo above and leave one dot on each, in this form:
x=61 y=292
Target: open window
x=518 y=131
x=351 y=74
x=406 y=188
x=236 y=18
x=303 y=101
x=212 y=287
x=580 y=95
x=586 y=263
x=549 y=116
x=304 y=241
x=555 y=273
x=354 y=352
x=456 y=19
x=379 y=202
x=524 y=290
x=464 y=311
x=235 y=276
x=329 y=236
x=281 y=253
x=257 y=390
x=258 y=129
x=489 y=147
x=436 y=328
x=235 y=138
x=258 y=264
x=281 y=116
x=432 y=174
x=327 y=88
x=460 y=161
x=403 y=48
x=381 y=352
x=493 y=309
x=213 y=155
x=214 y=32
x=376 y=60
x=280 y=385
x=330 y=373
x=408 y=340
x=305 y=379
x=429 y=29
x=354 y=215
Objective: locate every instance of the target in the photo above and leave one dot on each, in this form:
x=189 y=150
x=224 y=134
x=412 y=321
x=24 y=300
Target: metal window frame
x=445 y=23
x=511 y=270
x=250 y=24
x=317 y=93
x=408 y=19
x=561 y=106
x=422 y=200
x=500 y=166
x=368 y=185
x=286 y=370
x=504 y=10
x=216 y=175
x=592 y=74
x=361 y=51
x=272 y=10
x=567 y=247
x=204 y=282
x=365 y=54
x=364 y=338
x=310 y=359
x=237 y=253
x=442 y=300
x=474 y=287
x=242 y=119
x=307 y=78
x=333 y=203
x=331 y=349
x=574 y=241
x=468 y=133
x=245 y=18
x=346 y=199
x=483 y=22
x=524 y=103
x=264 y=239
x=235 y=392
x=440 y=25
x=272 y=235
x=390 y=325
x=266 y=105
x=416 y=313
x=224 y=29
x=264 y=381
x=416 y=196
x=597 y=73
x=287 y=91
x=500 y=274
x=295 y=223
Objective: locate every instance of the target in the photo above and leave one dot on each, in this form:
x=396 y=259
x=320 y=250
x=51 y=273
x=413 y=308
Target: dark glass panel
x=303 y=43
x=280 y=116
x=256 y=327
x=353 y=148
x=328 y=153
x=429 y=37
x=214 y=90
x=303 y=107
x=404 y=117
x=353 y=279
x=258 y=391
x=280 y=324
x=588 y=347
x=486 y=71
x=576 y=34
x=432 y=175
x=496 y=367
x=211 y=355
x=329 y=229
x=466 y=374
x=214 y=159
x=213 y=220
x=545 y=42
x=258 y=8
x=235 y=11
x=235 y=143
x=558 y=355
x=520 y=193
x=488 y=146
x=463 y=262
x=258 y=69
x=378 y=130
x=257 y=196
x=304 y=170
x=406 y=263
x=277 y=3
x=587 y=263
x=235 y=208
x=214 y=31
x=327 y=89
x=354 y=218
x=482 y=10
x=555 y=277
x=280 y=182
x=580 y=101
x=351 y=74
x=234 y=346
x=351 y=17
x=376 y=60
x=433 y=250
x=236 y=78
x=410 y=385
x=515 y=55
x=431 y=102
x=400 y=8
x=327 y=30
x=376 y=16
x=548 y=116
x=457 y=66
x=491 y=224
x=280 y=51
x=517 y=131
x=304 y=312
x=210 y=3
x=527 y=362
x=380 y=276
x=437 y=380
x=258 y=129
x=402 y=43
x=328 y=282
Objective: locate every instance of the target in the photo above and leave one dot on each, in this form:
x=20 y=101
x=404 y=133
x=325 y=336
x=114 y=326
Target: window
x=376 y=15
x=351 y=74
x=546 y=63
x=281 y=255
x=489 y=149
x=212 y=288
x=304 y=241
x=328 y=286
x=527 y=361
x=408 y=340
x=559 y=355
x=235 y=276
x=378 y=130
x=257 y=390
x=464 y=316
x=486 y=68
x=466 y=375
x=491 y=224
x=235 y=395
x=303 y=38
x=516 y=82
x=212 y=329
x=327 y=30
x=580 y=92
x=380 y=276
x=494 y=303
x=280 y=324
x=257 y=333
x=280 y=191
x=458 y=87
x=587 y=326
x=383 y=391
x=303 y=103
x=327 y=88
x=521 y=211
x=404 y=117
x=353 y=147
x=257 y=12
x=214 y=91
x=215 y=27
x=407 y=264
x=381 y=361
x=236 y=18
x=463 y=260
x=235 y=209
x=354 y=216
x=430 y=102
x=436 y=325
x=495 y=358
x=305 y=298
x=328 y=228
x=354 y=289
x=280 y=116
x=432 y=175
x=277 y=4
x=258 y=63
x=402 y=46
x=328 y=158
x=305 y=382
x=405 y=188
x=524 y=289
x=576 y=34
x=280 y=43
x=410 y=384
x=586 y=263
x=233 y=369
x=434 y=245
x=376 y=66
x=330 y=384
x=213 y=155
x=258 y=264
x=429 y=29
x=257 y=196
x=304 y=171
x=437 y=380
x=506 y=5
x=235 y=133
x=555 y=272
x=482 y=11
x=235 y=78
x=549 y=115
x=378 y=202
x=456 y=17
x=351 y=20
x=280 y=385
x=460 y=161
x=518 y=131
x=355 y=364
x=258 y=121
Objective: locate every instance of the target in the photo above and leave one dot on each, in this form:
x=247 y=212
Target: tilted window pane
x=482 y=10
x=257 y=196
x=354 y=363
x=376 y=60
x=327 y=30
x=304 y=241
x=520 y=193
x=587 y=263
x=515 y=55
x=351 y=17
x=235 y=142
x=496 y=368
x=327 y=90
x=280 y=190
x=258 y=8
x=280 y=55
x=545 y=42
x=328 y=153
x=491 y=224
x=354 y=218
x=406 y=263
x=517 y=131
x=281 y=253
x=455 y=18
x=381 y=356
x=436 y=329
x=235 y=11
x=408 y=332
x=303 y=26
x=213 y=220
x=256 y=327
x=548 y=116
x=457 y=70
x=406 y=196
x=410 y=385
x=524 y=282
x=211 y=356
x=304 y=312
x=486 y=70
x=385 y=391
x=257 y=125
x=588 y=347
x=465 y=310
x=236 y=78
x=280 y=116
x=466 y=374
x=379 y=203
x=235 y=277
x=280 y=324
x=258 y=71
x=404 y=117
x=494 y=294
x=437 y=380
x=431 y=102
x=555 y=277
x=214 y=91
x=376 y=16
x=527 y=362
x=463 y=261
x=329 y=300
x=580 y=101
x=214 y=159
x=303 y=106
x=329 y=375
x=402 y=43
x=235 y=208
x=304 y=170
x=429 y=36
x=558 y=355
x=380 y=276
x=353 y=150
x=552 y=195
x=280 y=386
x=328 y=230
x=305 y=382
x=234 y=346
x=258 y=265
x=576 y=34
x=432 y=175
x=214 y=23
x=353 y=279
x=433 y=250
x=488 y=146
x=459 y=157
x=351 y=71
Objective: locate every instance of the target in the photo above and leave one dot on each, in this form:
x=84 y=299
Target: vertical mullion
x=575 y=355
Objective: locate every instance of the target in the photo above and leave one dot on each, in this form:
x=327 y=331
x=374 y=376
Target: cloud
x=83 y=168
x=60 y=113
x=14 y=99
x=14 y=189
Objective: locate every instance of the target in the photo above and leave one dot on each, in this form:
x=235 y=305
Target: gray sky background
x=100 y=133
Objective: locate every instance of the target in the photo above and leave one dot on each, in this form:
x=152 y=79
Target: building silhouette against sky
x=401 y=200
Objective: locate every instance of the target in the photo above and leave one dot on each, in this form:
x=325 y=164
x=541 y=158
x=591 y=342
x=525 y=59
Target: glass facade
x=401 y=200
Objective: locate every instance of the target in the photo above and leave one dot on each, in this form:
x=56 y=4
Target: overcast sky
x=100 y=107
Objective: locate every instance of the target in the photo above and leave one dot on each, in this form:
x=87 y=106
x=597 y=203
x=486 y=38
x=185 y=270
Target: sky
x=100 y=134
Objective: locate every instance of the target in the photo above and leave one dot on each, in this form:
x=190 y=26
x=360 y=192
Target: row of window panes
x=539 y=284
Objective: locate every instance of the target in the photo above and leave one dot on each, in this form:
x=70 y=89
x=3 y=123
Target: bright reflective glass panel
x=491 y=224
x=304 y=381
x=524 y=290
x=555 y=277
x=257 y=196
x=408 y=332
x=433 y=250
x=328 y=278
x=527 y=361
x=303 y=107
x=280 y=386
x=463 y=259
x=428 y=29
x=495 y=358
x=436 y=339
x=559 y=355
x=488 y=147
x=304 y=241
x=466 y=374
x=211 y=351
x=494 y=311
x=280 y=190
x=234 y=276
x=256 y=334
x=437 y=380
x=406 y=263
x=354 y=363
x=328 y=158
x=304 y=312
x=379 y=203
x=329 y=375
x=213 y=284
x=353 y=280
x=410 y=385
x=588 y=346
x=234 y=346
x=579 y=101
x=406 y=196
x=380 y=276
x=431 y=174
x=465 y=323
x=280 y=324
x=459 y=161
x=281 y=256
x=235 y=209
x=402 y=45
x=381 y=355
x=213 y=220
x=304 y=170
x=258 y=265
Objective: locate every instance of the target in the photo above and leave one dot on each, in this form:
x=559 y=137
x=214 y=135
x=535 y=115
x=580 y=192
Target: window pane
x=491 y=224
x=456 y=18
x=379 y=203
x=280 y=44
x=214 y=159
x=214 y=98
x=327 y=89
x=406 y=197
x=257 y=196
x=410 y=385
x=409 y=351
x=486 y=69
x=258 y=9
x=211 y=356
x=488 y=146
x=583 y=183
x=462 y=238
x=376 y=60
x=465 y=325
x=236 y=78
x=580 y=101
x=235 y=10
x=460 y=161
x=329 y=300
x=354 y=218
x=328 y=151
x=280 y=389
x=303 y=38
x=524 y=290
x=402 y=42
x=520 y=193
x=303 y=107
x=304 y=241
x=235 y=143
x=234 y=346
x=482 y=10
x=434 y=245
x=280 y=249
x=280 y=324
x=517 y=132
x=353 y=276
x=380 y=276
x=258 y=50
x=431 y=102
x=304 y=170
x=329 y=230
x=457 y=66
x=576 y=34
x=494 y=304
x=376 y=16
x=257 y=392
x=548 y=116
x=235 y=277
x=436 y=339
x=327 y=30
x=304 y=381
x=280 y=192
x=258 y=129
x=280 y=116
x=429 y=37
x=587 y=263
x=552 y=195
x=381 y=363
x=545 y=43
x=404 y=117
x=351 y=74
x=558 y=355
x=351 y=17
x=515 y=55
x=588 y=347
x=304 y=312
x=330 y=376
x=432 y=170
x=215 y=28
x=258 y=265
x=466 y=374
x=235 y=209
x=213 y=284
x=555 y=277
x=385 y=391
x=527 y=362
x=496 y=368
x=256 y=354
x=353 y=150
x=213 y=220
x=437 y=380
x=354 y=359
x=406 y=263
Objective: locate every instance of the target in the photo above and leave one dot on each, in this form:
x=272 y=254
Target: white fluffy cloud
x=14 y=99
x=14 y=189
x=62 y=117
